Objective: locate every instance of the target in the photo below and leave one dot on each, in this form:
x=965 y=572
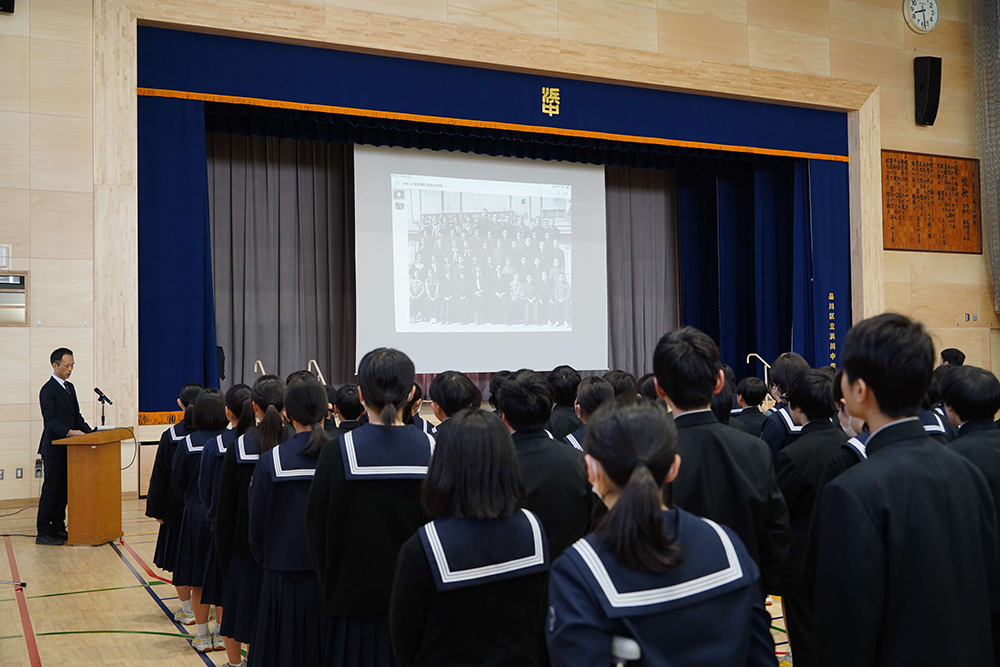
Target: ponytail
x=386 y=380
x=636 y=443
x=189 y=394
x=269 y=395
x=306 y=403
x=246 y=416
x=271 y=429
x=317 y=438
x=189 y=417
x=236 y=402
x=388 y=414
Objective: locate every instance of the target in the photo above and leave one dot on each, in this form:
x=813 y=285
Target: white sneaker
x=218 y=643
x=203 y=644
x=768 y=601
x=184 y=618
x=786 y=660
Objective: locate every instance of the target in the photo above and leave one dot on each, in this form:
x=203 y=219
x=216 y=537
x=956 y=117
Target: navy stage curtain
x=765 y=260
x=176 y=309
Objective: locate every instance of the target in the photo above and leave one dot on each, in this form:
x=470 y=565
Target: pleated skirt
x=359 y=641
x=195 y=533
x=213 y=586
x=241 y=598
x=165 y=555
x=291 y=620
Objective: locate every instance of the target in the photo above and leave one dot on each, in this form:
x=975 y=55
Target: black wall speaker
x=7 y=6
x=927 y=88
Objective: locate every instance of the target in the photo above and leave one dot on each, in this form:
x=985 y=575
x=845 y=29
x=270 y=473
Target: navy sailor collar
x=177 y=432
x=623 y=592
x=374 y=451
x=219 y=445
x=194 y=443
x=859 y=444
x=471 y=552
x=576 y=437
x=289 y=462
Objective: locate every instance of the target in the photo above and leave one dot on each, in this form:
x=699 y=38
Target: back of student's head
x=953 y=356
x=474 y=472
x=411 y=405
x=730 y=375
x=385 y=377
x=592 y=393
x=812 y=392
x=495 y=383
x=635 y=444
x=298 y=375
x=189 y=394
x=305 y=403
x=347 y=402
x=624 y=384
x=564 y=381
x=973 y=393
x=268 y=394
x=784 y=369
x=526 y=401
x=895 y=358
x=753 y=390
x=722 y=403
x=209 y=411
x=935 y=388
x=647 y=387
x=237 y=399
x=453 y=391
x=686 y=365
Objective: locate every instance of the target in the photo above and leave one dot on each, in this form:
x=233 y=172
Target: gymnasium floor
x=101 y=605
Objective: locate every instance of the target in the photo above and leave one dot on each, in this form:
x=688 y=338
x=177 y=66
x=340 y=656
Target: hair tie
x=638 y=462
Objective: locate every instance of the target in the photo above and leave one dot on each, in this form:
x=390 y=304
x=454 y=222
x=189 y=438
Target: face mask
x=593 y=473
x=845 y=423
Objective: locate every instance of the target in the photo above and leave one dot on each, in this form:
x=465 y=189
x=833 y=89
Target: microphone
x=103 y=398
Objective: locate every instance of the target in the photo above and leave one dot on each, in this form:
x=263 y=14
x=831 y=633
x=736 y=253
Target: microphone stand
x=17 y=584
x=103 y=402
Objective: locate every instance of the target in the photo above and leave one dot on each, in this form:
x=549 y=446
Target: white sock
x=186 y=606
x=203 y=629
x=218 y=628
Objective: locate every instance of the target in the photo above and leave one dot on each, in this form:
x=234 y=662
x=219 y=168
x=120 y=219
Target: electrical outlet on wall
x=19 y=473
x=1 y=474
x=38 y=469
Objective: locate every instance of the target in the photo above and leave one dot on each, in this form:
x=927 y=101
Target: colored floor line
x=141 y=562
x=159 y=602
x=22 y=604
x=93 y=590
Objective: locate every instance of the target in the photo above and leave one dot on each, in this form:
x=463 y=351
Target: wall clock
x=921 y=15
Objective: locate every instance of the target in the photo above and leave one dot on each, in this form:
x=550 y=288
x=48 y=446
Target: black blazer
x=753 y=419
x=61 y=414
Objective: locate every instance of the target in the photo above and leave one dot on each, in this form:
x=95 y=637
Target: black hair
x=935 y=393
x=592 y=393
x=58 y=354
x=269 y=395
x=624 y=384
x=454 y=391
x=564 y=381
x=647 y=387
x=495 y=383
x=973 y=393
x=812 y=392
x=730 y=374
x=418 y=394
x=331 y=396
x=895 y=358
x=837 y=391
x=526 y=401
x=385 y=377
x=753 y=390
x=209 y=411
x=636 y=444
x=298 y=375
x=236 y=401
x=474 y=472
x=348 y=403
x=722 y=403
x=784 y=369
x=952 y=355
x=189 y=394
x=305 y=402
x=686 y=364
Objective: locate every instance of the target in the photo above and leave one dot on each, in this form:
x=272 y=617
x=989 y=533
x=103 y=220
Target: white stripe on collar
x=173 y=434
x=939 y=428
x=190 y=445
x=352 y=461
x=786 y=415
x=736 y=411
x=295 y=472
x=573 y=441
x=551 y=437
x=221 y=445
x=732 y=572
x=243 y=451
x=449 y=576
x=858 y=446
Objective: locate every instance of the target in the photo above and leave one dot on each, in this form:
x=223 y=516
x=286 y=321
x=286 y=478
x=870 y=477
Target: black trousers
x=800 y=622
x=52 y=503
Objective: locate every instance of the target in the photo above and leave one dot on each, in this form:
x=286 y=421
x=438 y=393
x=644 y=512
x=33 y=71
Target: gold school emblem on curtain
x=550 y=101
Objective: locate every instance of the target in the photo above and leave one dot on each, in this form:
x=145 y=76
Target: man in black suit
x=62 y=419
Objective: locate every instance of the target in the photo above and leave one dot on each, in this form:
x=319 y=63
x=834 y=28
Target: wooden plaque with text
x=930 y=203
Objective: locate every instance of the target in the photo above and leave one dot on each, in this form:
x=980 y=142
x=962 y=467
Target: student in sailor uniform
x=291 y=625
x=348 y=410
x=450 y=392
x=910 y=531
x=683 y=587
x=209 y=477
x=728 y=476
x=469 y=587
x=779 y=430
x=165 y=505
x=243 y=573
x=411 y=414
x=722 y=407
x=934 y=403
x=592 y=393
x=624 y=384
x=750 y=393
x=564 y=420
x=209 y=421
x=363 y=505
x=798 y=468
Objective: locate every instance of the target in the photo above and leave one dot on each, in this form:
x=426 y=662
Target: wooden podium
x=94 y=486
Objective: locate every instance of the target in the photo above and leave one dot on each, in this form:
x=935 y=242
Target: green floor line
x=775 y=627
x=11 y=637
x=113 y=632
x=95 y=590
